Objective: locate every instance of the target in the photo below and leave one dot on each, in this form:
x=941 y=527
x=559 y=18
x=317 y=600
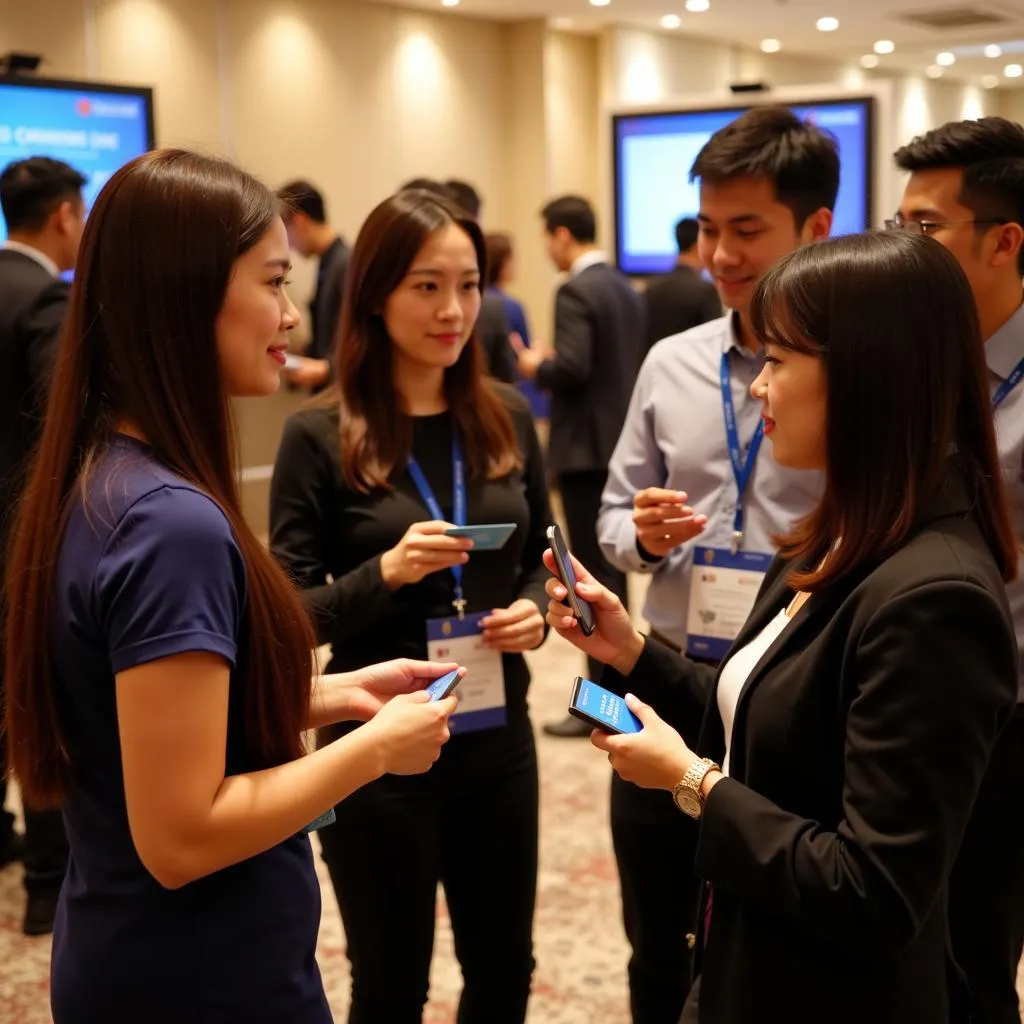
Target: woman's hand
x=410 y=731
x=360 y=695
x=517 y=628
x=615 y=641
x=423 y=550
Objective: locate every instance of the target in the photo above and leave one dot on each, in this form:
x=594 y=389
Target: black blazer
x=32 y=307
x=325 y=306
x=493 y=330
x=859 y=744
x=678 y=301
x=599 y=334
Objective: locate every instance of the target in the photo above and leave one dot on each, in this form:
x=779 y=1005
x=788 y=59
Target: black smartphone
x=444 y=687
x=563 y=562
x=601 y=708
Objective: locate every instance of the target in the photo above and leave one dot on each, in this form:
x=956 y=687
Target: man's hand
x=529 y=358
x=309 y=373
x=663 y=521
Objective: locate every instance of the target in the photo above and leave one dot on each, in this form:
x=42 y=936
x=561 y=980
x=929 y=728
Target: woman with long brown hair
x=413 y=443
x=833 y=759
x=158 y=662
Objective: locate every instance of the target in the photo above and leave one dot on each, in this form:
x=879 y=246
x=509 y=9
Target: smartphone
x=581 y=610
x=445 y=686
x=491 y=537
x=601 y=708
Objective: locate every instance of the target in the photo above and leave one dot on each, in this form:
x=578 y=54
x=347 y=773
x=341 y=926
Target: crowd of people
x=819 y=810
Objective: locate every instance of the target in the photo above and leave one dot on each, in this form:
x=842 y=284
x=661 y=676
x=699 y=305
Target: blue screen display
x=605 y=707
x=654 y=153
x=93 y=130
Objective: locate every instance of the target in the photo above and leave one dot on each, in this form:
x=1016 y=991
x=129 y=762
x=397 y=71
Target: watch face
x=688 y=802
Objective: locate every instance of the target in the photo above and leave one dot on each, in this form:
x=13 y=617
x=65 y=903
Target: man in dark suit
x=599 y=331
x=44 y=212
x=681 y=299
x=310 y=234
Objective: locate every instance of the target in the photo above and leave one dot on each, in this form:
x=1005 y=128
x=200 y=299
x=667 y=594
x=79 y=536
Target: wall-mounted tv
x=94 y=128
x=654 y=153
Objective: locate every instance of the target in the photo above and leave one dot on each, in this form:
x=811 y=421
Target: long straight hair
x=139 y=344
x=376 y=433
x=892 y=316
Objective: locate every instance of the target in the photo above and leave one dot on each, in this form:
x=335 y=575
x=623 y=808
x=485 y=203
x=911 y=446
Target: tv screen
x=94 y=128
x=654 y=153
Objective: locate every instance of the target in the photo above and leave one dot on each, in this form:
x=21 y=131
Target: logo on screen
x=83 y=107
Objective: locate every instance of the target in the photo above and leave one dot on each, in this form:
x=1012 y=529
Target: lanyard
x=1008 y=385
x=741 y=470
x=458 y=511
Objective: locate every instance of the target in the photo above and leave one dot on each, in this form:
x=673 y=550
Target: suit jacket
x=858 y=747
x=325 y=306
x=493 y=330
x=32 y=307
x=678 y=301
x=599 y=332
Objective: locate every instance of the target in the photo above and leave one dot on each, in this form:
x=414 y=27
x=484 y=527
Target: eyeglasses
x=924 y=227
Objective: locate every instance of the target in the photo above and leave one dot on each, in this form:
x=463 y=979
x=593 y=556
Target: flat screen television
x=654 y=153
x=94 y=128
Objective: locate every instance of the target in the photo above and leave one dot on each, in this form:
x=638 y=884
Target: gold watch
x=686 y=794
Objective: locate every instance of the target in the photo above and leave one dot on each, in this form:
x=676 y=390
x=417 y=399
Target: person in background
x=44 y=211
x=599 y=331
x=501 y=263
x=833 y=761
x=683 y=486
x=158 y=662
x=966 y=190
x=681 y=299
x=416 y=440
x=311 y=235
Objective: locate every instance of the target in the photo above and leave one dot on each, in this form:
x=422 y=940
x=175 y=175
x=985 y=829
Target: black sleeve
x=301 y=492
x=573 y=361
x=41 y=328
x=935 y=674
x=502 y=363
x=534 y=576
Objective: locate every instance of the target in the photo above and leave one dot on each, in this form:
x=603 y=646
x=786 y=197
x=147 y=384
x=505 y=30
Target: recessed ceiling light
x=1013 y=71
x=697 y=6
x=869 y=60
x=992 y=51
x=884 y=46
x=827 y=24
x=449 y=3
x=946 y=59
x=600 y=3
x=671 y=21
x=934 y=71
x=770 y=45
x=989 y=81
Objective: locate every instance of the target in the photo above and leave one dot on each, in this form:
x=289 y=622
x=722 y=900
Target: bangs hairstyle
x=376 y=432
x=892 y=317
x=139 y=343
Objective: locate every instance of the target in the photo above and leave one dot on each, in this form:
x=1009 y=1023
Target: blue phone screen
x=437 y=688
x=605 y=707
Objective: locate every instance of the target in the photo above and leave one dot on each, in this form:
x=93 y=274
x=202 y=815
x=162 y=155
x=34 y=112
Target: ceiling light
x=770 y=45
x=934 y=71
x=827 y=24
x=884 y=46
x=1013 y=71
x=869 y=60
x=697 y=6
x=671 y=21
x=992 y=51
x=946 y=59
x=989 y=81
x=449 y=3
x=600 y=3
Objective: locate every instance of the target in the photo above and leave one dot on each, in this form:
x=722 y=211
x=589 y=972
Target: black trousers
x=986 y=888
x=470 y=823
x=581 y=499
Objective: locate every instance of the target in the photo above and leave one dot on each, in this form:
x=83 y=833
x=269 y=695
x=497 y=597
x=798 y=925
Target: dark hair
x=302 y=197
x=575 y=214
x=464 y=196
x=376 y=435
x=431 y=185
x=990 y=151
x=499 y=252
x=892 y=316
x=801 y=161
x=139 y=342
x=687 y=231
x=31 y=190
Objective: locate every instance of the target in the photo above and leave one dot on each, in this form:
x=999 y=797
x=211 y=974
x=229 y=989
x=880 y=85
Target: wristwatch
x=687 y=793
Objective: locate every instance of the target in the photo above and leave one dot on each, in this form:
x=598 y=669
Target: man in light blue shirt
x=966 y=190
x=682 y=481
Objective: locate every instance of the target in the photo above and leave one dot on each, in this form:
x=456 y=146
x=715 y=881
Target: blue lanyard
x=458 y=510
x=741 y=470
x=1008 y=385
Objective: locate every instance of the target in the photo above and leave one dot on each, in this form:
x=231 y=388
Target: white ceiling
x=792 y=22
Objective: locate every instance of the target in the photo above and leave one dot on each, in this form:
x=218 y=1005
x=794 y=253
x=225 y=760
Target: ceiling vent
x=952 y=18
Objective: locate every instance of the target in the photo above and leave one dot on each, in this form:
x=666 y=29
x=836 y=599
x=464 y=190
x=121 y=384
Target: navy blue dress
x=149 y=568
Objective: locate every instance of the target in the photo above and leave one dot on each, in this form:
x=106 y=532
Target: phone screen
x=585 y=614
x=602 y=707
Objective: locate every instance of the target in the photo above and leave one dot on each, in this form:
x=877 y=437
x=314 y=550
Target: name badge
x=482 y=693
x=723 y=587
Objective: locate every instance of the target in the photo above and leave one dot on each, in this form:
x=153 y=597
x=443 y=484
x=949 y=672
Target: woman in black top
x=351 y=520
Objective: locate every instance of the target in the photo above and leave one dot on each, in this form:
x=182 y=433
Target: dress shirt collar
x=1005 y=349
x=34 y=254
x=591 y=258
